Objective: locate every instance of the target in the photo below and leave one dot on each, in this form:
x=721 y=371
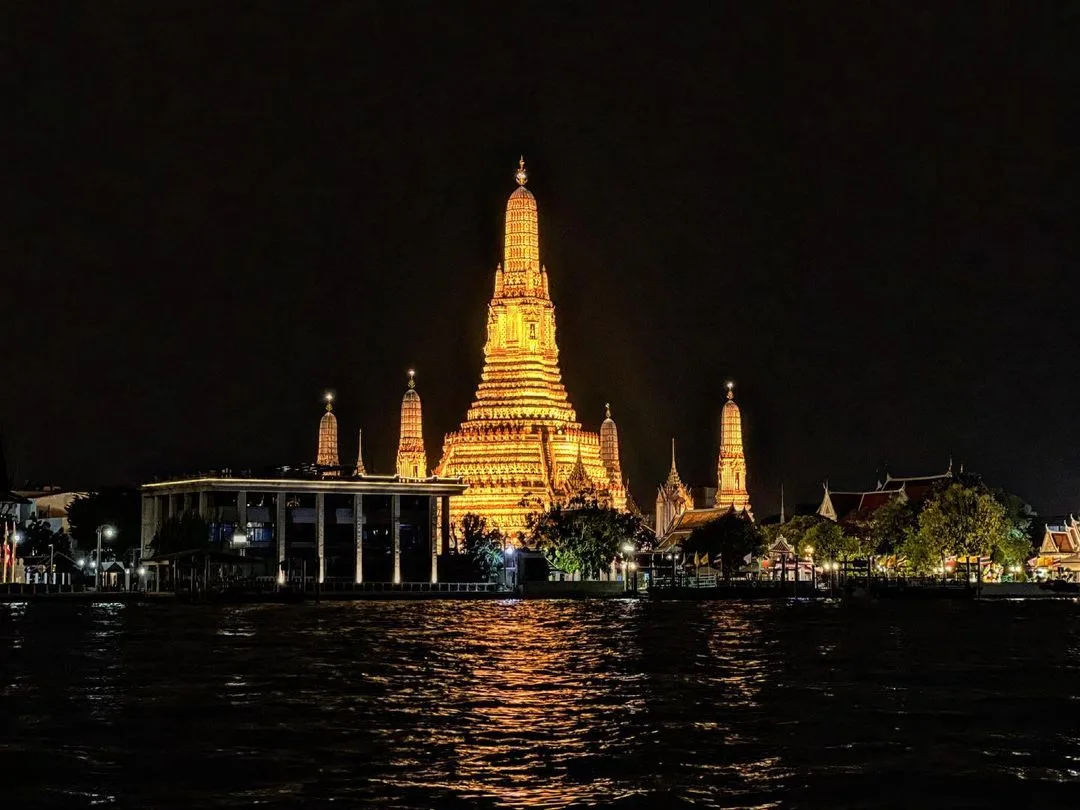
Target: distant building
x=847 y=506
x=680 y=510
x=49 y=504
x=1059 y=553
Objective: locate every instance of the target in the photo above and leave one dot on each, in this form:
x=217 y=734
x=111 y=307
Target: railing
x=331 y=586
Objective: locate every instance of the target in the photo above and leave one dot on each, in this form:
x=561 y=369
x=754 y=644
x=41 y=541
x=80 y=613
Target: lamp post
x=813 y=572
x=510 y=570
x=240 y=541
x=52 y=564
x=16 y=538
x=108 y=532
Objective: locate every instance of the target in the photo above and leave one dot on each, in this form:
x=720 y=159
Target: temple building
x=411 y=458
x=672 y=499
x=679 y=512
x=852 y=507
x=521 y=447
x=731 y=466
x=327 y=455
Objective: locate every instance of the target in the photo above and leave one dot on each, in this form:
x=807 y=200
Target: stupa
x=521 y=447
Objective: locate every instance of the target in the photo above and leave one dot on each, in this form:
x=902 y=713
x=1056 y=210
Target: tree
x=891 y=525
x=583 y=537
x=485 y=547
x=793 y=531
x=960 y=519
x=732 y=537
x=38 y=536
x=118 y=507
x=188 y=531
x=1017 y=546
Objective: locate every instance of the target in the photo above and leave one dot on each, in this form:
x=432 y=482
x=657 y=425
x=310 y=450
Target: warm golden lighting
x=327 y=455
x=411 y=458
x=521 y=447
x=731 y=466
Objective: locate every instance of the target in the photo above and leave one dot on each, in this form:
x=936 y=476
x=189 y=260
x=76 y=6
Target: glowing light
x=80 y=562
x=628 y=548
x=17 y=537
x=521 y=444
x=108 y=532
x=142 y=571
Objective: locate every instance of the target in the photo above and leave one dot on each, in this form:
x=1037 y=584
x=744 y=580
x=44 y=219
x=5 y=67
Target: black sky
x=863 y=213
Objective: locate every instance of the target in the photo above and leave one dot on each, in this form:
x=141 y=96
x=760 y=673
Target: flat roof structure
x=313 y=523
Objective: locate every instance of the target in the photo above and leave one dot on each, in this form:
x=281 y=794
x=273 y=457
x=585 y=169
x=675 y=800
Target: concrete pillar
x=170 y=506
x=433 y=536
x=320 y=536
x=445 y=520
x=395 y=511
x=280 y=519
x=358 y=535
x=204 y=505
x=186 y=500
x=241 y=511
x=149 y=522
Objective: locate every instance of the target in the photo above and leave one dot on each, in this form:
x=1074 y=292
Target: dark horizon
x=863 y=216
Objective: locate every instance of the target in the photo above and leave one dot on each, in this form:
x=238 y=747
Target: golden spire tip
x=607 y=410
x=329 y=397
x=412 y=378
x=730 y=390
x=521 y=175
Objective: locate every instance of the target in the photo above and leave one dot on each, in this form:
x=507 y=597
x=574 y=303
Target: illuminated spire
x=327 y=455
x=521 y=242
x=609 y=446
x=731 y=466
x=360 y=454
x=411 y=459
x=673 y=479
x=521 y=439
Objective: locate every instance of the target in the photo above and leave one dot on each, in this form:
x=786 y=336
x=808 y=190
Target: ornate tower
x=672 y=499
x=360 y=454
x=731 y=467
x=521 y=440
x=411 y=459
x=327 y=455
x=609 y=446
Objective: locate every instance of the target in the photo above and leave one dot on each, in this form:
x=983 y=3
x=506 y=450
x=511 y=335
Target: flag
x=748 y=558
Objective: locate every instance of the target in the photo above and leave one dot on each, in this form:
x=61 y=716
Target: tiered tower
x=609 y=446
x=360 y=454
x=411 y=458
x=672 y=499
x=731 y=466
x=327 y=455
x=521 y=440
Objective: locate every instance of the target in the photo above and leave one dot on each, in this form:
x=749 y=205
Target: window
x=532 y=331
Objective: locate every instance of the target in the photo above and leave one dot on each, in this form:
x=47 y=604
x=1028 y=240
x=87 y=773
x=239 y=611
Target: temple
x=680 y=510
x=411 y=458
x=521 y=447
x=327 y=455
x=672 y=499
x=731 y=466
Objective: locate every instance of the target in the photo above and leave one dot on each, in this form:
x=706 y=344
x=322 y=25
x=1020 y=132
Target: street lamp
x=240 y=540
x=107 y=531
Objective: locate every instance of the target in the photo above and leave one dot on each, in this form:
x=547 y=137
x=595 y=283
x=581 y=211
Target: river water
x=540 y=704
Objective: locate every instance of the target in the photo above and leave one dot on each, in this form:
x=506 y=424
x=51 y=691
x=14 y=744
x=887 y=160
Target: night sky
x=864 y=214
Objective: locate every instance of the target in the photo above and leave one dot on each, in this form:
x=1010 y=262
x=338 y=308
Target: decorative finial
x=329 y=397
x=521 y=175
x=673 y=452
x=607 y=410
x=412 y=380
x=730 y=390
